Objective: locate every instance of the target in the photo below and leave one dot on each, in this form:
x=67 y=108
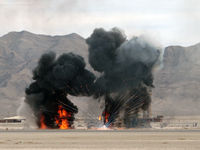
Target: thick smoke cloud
x=67 y=73
x=125 y=82
x=53 y=80
x=103 y=45
x=126 y=67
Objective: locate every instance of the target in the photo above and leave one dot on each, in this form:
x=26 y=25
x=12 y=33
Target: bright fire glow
x=100 y=118
x=103 y=128
x=42 y=124
x=61 y=119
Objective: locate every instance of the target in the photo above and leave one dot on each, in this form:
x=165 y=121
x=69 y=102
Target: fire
x=106 y=117
x=62 y=119
x=100 y=118
x=42 y=124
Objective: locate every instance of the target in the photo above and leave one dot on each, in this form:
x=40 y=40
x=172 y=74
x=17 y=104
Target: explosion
x=62 y=120
x=126 y=74
x=125 y=82
x=54 y=79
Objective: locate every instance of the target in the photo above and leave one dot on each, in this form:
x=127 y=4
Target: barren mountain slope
x=19 y=53
x=177 y=84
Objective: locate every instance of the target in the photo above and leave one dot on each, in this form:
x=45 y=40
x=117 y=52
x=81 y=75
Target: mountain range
x=19 y=53
x=177 y=82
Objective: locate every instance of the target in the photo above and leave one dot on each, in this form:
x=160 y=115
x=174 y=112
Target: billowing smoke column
x=126 y=79
x=125 y=82
x=53 y=80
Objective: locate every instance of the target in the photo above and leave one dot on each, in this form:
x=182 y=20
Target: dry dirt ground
x=100 y=140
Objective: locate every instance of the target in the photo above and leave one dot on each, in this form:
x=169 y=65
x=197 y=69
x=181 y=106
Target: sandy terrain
x=98 y=140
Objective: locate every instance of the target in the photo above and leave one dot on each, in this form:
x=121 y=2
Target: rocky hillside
x=177 y=84
x=19 y=53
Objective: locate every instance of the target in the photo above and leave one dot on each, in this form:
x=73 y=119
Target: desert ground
x=100 y=140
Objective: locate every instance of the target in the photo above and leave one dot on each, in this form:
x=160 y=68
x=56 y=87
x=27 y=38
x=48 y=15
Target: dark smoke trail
x=126 y=68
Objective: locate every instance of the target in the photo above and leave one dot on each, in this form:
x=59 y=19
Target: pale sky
x=169 y=22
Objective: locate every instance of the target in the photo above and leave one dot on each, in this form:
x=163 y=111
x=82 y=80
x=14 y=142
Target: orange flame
x=61 y=119
x=42 y=124
x=100 y=117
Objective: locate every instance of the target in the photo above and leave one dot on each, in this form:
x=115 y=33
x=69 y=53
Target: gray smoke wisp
x=125 y=82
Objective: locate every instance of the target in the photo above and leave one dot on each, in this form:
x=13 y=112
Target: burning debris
x=125 y=82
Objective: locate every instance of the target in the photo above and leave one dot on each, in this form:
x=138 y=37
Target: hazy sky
x=166 y=21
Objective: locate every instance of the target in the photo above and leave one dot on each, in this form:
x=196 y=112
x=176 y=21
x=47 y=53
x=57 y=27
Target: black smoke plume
x=54 y=79
x=126 y=67
x=125 y=82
